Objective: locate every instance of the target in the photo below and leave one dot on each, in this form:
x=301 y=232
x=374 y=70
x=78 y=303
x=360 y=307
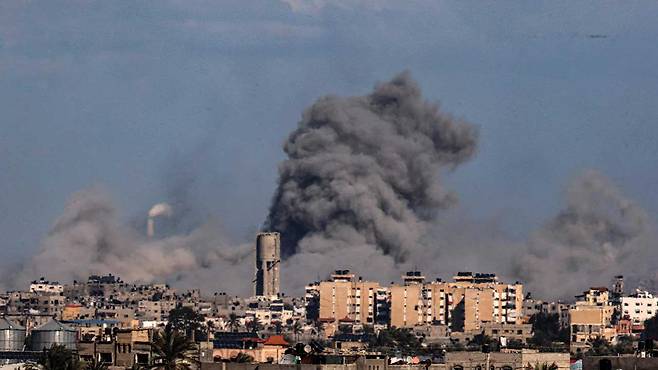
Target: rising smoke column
x=362 y=173
x=88 y=238
x=600 y=233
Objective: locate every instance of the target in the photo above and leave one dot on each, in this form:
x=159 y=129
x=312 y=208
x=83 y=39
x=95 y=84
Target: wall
x=624 y=363
x=236 y=366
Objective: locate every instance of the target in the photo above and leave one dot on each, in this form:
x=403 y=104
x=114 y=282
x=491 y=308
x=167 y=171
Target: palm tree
x=233 y=322
x=172 y=350
x=95 y=365
x=278 y=327
x=242 y=358
x=543 y=366
x=319 y=327
x=56 y=358
x=255 y=325
x=297 y=329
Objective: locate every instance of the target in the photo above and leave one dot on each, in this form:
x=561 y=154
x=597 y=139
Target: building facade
x=346 y=297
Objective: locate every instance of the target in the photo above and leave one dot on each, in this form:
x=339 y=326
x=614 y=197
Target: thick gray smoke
x=360 y=189
x=88 y=238
x=600 y=233
x=362 y=173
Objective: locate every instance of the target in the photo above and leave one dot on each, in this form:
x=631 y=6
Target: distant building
x=44 y=286
x=591 y=318
x=506 y=360
x=596 y=296
x=346 y=297
x=639 y=307
x=463 y=304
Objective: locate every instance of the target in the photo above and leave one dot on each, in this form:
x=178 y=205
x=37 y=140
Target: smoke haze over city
x=156 y=150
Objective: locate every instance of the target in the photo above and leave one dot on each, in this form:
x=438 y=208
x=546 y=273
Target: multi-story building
x=595 y=296
x=639 y=307
x=463 y=304
x=346 y=297
x=591 y=318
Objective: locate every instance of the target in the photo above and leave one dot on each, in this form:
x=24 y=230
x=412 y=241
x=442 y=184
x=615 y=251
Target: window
x=142 y=358
x=105 y=357
x=457 y=367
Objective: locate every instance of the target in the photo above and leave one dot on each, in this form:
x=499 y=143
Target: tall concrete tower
x=268 y=258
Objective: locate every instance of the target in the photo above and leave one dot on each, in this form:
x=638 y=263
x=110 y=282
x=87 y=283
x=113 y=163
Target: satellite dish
x=308 y=348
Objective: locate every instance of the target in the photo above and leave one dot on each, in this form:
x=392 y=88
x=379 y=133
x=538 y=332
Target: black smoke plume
x=365 y=169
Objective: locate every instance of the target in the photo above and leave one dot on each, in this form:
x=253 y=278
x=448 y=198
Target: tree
x=297 y=329
x=254 y=325
x=650 y=329
x=233 y=322
x=278 y=327
x=95 y=365
x=624 y=345
x=186 y=320
x=57 y=358
x=482 y=340
x=546 y=330
x=173 y=350
x=544 y=366
x=403 y=340
x=599 y=347
x=242 y=358
x=318 y=328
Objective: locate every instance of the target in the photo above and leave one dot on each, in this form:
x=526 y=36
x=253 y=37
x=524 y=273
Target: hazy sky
x=148 y=97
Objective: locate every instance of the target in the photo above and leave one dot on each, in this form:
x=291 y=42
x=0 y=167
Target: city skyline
x=192 y=105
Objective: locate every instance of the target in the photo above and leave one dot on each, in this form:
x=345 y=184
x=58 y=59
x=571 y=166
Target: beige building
x=591 y=318
x=512 y=360
x=463 y=304
x=345 y=296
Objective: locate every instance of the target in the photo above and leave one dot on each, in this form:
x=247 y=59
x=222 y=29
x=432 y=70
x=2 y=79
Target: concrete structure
x=589 y=322
x=463 y=304
x=504 y=361
x=595 y=296
x=511 y=332
x=123 y=348
x=229 y=345
x=46 y=287
x=621 y=362
x=639 y=307
x=345 y=297
x=268 y=258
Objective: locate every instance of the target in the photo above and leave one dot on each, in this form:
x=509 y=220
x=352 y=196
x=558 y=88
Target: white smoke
x=88 y=238
x=161 y=209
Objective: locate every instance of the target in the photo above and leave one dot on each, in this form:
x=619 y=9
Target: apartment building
x=346 y=297
x=463 y=304
x=591 y=317
x=639 y=307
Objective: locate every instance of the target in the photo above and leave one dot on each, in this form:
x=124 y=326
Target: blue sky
x=137 y=96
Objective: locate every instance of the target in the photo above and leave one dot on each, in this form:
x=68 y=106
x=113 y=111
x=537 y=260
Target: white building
x=639 y=307
x=47 y=287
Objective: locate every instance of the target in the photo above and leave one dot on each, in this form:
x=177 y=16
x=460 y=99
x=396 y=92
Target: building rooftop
x=6 y=324
x=276 y=340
